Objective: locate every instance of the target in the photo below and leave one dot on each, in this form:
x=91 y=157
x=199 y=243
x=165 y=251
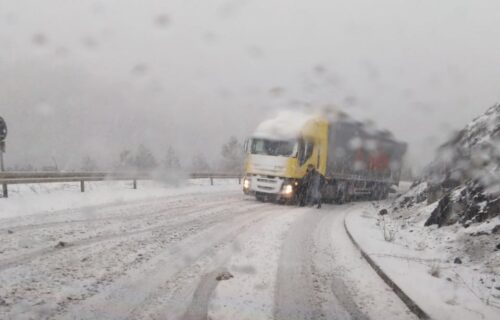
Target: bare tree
x=171 y=160
x=233 y=155
x=200 y=164
x=126 y=161
x=144 y=159
x=89 y=164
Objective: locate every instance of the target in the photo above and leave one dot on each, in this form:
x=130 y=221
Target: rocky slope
x=465 y=176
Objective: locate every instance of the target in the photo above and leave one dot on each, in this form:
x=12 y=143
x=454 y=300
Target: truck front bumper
x=280 y=187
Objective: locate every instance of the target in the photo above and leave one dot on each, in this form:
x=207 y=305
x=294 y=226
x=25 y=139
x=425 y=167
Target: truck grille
x=267 y=180
x=265 y=188
x=266 y=184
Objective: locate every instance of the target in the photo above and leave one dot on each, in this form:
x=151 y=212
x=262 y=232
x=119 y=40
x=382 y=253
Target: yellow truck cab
x=276 y=162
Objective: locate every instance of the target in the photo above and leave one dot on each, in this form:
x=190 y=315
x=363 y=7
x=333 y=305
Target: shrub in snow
x=389 y=230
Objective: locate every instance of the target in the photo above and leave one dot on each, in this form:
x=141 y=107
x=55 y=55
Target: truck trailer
x=355 y=159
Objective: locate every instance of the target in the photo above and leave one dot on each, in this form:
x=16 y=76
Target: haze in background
x=91 y=78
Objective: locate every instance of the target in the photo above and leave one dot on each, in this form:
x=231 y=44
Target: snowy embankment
x=29 y=199
x=440 y=241
x=450 y=272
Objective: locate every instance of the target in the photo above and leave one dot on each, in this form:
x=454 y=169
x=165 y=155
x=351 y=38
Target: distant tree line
x=143 y=159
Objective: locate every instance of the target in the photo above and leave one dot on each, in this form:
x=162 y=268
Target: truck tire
x=385 y=192
x=380 y=192
x=340 y=197
x=343 y=197
x=375 y=195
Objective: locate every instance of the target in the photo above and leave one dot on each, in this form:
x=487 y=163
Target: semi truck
x=355 y=159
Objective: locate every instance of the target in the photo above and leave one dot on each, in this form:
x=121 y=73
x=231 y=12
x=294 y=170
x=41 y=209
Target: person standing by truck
x=310 y=191
x=314 y=189
x=303 y=190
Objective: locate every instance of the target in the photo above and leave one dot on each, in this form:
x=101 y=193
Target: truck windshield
x=274 y=147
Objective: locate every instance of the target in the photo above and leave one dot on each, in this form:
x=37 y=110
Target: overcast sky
x=94 y=77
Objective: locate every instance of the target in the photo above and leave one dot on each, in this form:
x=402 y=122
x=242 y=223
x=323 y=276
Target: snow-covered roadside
x=28 y=199
x=423 y=262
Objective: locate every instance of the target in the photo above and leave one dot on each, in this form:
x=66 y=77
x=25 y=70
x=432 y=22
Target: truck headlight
x=288 y=189
x=246 y=183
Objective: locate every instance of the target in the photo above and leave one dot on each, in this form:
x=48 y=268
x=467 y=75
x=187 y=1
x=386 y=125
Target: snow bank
x=450 y=272
x=31 y=199
x=440 y=240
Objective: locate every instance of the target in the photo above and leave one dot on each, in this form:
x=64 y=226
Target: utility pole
x=2 y=167
x=3 y=135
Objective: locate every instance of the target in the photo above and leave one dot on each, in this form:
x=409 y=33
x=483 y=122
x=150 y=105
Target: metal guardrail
x=7 y=178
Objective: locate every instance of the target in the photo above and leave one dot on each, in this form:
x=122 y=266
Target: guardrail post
x=82 y=185
x=135 y=184
x=5 y=190
x=239 y=180
x=211 y=181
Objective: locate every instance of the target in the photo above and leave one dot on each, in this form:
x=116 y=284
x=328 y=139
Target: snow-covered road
x=159 y=259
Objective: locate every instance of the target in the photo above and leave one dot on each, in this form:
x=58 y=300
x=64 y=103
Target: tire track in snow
x=192 y=287
x=250 y=294
x=323 y=276
x=306 y=289
x=130 y=297
x=70 y=245
x=195 y=282
x=91 y=212
x=198 y=308
x=53 y=268
x=46 y=235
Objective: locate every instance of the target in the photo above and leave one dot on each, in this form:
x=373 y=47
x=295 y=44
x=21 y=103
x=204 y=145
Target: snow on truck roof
x=287 y=125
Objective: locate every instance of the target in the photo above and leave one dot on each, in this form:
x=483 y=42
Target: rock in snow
x=383 y=212
x=225 y=275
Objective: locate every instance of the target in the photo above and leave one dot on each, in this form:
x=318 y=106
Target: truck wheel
x=380 y=192
x=385 y=193
x=342 y=198
x=347 y=198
